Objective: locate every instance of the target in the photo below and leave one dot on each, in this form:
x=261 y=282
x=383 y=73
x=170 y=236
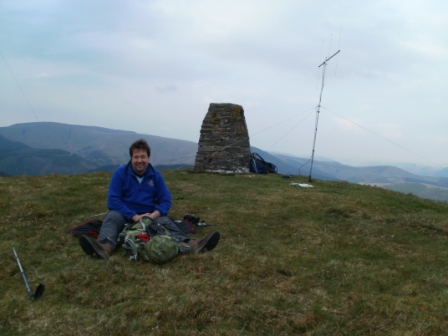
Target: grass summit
x=336 y=259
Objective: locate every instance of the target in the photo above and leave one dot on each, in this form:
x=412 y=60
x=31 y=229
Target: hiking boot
x=94 y=248
x=208 y=243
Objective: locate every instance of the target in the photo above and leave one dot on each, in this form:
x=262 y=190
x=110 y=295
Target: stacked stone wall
x=224 y=140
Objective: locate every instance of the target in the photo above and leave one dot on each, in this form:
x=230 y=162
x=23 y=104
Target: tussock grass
x=336 y=259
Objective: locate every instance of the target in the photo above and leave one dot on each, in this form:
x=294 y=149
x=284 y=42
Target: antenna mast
x=318 y=108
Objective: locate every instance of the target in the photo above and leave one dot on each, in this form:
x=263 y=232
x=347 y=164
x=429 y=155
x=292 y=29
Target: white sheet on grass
x=302 y=185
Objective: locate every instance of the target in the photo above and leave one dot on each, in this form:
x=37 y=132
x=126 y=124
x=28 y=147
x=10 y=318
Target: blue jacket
x=129 y=197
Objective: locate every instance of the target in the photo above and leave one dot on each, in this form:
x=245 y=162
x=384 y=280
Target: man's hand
x=136 y=218
x=153 y=215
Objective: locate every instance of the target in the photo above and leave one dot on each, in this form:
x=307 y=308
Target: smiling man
x=137 y=190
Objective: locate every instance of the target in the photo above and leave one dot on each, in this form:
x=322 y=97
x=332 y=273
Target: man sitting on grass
x=137 y=190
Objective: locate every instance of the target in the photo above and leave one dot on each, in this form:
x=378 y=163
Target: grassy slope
x=336 y=259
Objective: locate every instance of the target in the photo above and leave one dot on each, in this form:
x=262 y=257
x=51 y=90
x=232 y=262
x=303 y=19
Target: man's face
x=140 y=161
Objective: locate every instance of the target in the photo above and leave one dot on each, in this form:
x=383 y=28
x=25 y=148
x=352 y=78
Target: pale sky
x=154 y=66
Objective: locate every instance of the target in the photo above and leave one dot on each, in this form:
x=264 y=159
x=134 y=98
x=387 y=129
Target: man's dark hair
x=140 y=144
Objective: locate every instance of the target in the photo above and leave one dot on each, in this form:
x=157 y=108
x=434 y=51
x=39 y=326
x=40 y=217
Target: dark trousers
x=113 y=224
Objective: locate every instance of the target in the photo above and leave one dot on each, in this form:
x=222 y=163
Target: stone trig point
x=224 y=141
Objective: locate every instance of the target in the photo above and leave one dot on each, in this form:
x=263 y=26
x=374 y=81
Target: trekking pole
x=39 y=290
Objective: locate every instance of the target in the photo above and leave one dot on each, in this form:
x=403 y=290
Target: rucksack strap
x=131 y=246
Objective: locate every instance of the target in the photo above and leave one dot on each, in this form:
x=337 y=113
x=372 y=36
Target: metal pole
x=318 y=111
x=30 y=294
x=39 y=290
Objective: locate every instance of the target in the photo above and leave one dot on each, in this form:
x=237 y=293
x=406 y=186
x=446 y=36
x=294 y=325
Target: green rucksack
x=158 y=249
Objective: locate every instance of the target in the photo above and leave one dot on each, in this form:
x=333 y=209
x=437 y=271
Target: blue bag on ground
x=260 y=166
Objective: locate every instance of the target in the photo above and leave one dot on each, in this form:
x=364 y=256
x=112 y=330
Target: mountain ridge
x=51 y=147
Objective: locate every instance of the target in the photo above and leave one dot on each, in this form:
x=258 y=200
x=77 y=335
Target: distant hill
x=18 y=159
x=107 y=148
x=45 y=147
x=378 y=174
x=100 y=145
x=423 y=170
